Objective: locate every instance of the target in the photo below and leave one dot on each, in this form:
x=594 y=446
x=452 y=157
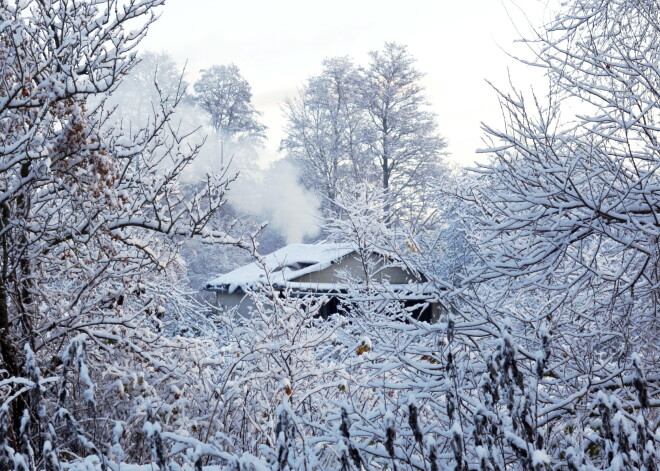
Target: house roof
x=286 y=264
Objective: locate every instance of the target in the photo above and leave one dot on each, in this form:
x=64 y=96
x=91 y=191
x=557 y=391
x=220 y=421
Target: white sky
x=277 y=45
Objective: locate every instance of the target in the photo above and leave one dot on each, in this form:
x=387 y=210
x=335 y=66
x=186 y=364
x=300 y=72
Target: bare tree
x=404 y=140
x=84 y=232
x=570 y=201
x=326 y=132
x=153 y=78
x=371 y=125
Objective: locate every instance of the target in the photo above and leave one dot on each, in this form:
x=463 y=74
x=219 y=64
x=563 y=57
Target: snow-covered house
x=331 y=270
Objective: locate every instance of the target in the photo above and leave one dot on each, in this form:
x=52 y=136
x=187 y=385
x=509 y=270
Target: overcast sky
x=277 y=45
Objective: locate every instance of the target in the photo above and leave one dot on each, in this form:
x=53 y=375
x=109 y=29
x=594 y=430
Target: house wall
x=437 y=311
x=240 y=302
x=242 y=305
x=350 y=267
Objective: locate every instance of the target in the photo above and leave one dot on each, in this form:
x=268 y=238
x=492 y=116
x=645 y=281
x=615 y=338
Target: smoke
x=274 y=194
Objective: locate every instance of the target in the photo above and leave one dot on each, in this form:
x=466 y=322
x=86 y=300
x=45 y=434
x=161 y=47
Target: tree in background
x=226 y=96
x=350 y=126
x=326 y=132
x=154 y=78
x=404 y=139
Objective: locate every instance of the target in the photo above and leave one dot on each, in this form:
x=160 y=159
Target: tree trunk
x=9 y=353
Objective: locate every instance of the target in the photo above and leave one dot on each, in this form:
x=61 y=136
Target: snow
x=92 y=463
x=283 y=265
x=151 y=428
x=540 y=457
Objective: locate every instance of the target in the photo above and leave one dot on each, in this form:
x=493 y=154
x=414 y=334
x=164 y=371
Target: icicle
x=117 y=450
x=433 y=453
x=282 y=437
x=26 y=447
x=51 y=462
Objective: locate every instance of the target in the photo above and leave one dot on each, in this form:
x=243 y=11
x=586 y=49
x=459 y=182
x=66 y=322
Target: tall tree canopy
x=326 y=131
x=155 y=77
x=371 y=124
x=226 y=96
x=404 y=140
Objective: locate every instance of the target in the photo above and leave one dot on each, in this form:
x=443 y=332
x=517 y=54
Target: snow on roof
x=286 y=264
